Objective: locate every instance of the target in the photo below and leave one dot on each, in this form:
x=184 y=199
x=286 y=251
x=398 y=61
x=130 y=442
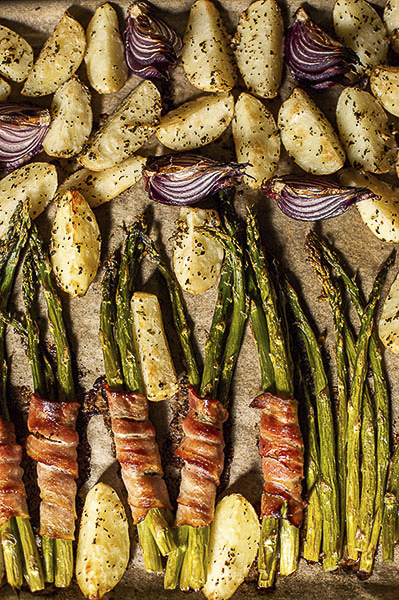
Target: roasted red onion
x=151 y=46
x=183 y=179
x=313 y=198
x=315 y=58
x=22 y=131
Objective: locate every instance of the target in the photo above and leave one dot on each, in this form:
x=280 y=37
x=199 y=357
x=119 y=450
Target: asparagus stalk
x=390 y=528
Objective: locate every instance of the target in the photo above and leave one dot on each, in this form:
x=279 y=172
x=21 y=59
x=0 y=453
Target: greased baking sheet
x=35 y=20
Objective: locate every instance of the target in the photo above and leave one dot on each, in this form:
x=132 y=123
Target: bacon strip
x=137 y=452
x=52 y=444
x=202 y=452
x=281 y=449
x=12 y=489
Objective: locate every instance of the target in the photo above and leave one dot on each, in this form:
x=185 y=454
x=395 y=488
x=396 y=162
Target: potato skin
x=384 y=84
x=16 y=55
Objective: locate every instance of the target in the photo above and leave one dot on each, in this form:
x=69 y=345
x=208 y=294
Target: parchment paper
x=364 y=252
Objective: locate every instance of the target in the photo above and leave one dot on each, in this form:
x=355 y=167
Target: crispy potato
x=358 y=26
x=16 y=55
x=364 y=130
x=233 y=546
x=104 y=544
x=58 y=60
x=159 y=375
x=259 y=46
x=197 y=259
x=126 y=130
x=381 y=216
x=256 y=139
x=36 y=181
x=197 y=122
x=308 y=136
x=72 y=120
x=388 y=326
x=105 y=59
x=391 y=21
x=75 y=244
x=207 y=57
x=100 y=187
x=5 y=89
x=384 y=83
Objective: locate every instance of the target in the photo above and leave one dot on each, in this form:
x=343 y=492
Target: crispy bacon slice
x=52 y=444
x=137 y=452
x=12 y=489
x=202 y=452
x=281 y=449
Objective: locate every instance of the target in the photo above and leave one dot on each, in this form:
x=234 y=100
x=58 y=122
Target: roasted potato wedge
x=103 y=547
x=259 y=45
x=72 y=120
x=99 y=187
x=364 y=130
x=308 y=136
x=126 y=130
x=381 y=216
x=233 y=546
x=207 y=57
x=197 y=122
x=105 y=59
x=384 y=83
x=197 y=259
x=16 y=55
x=75 y=244
x=5 y=89
x=37 y=181
x=58 y=60
x=159 y=375
x=256 y=139
x=358 y=26
x=388 y=326
x=391 y=21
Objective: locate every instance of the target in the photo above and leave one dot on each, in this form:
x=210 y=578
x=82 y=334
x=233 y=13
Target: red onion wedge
x=183 y=179
x=151 y=46
x=22 y=131
x=313 y=198
x=317 y=59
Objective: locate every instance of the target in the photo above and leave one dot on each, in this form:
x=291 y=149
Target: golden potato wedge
x=197 y=259
x=308 y=136
x=259 y=46
x=159 y=375
x=384 y=83
x=75 y=244
x=105 y=60
x=16 y=55
x=58 y=60
x=5 y=89
x=381 y=216
x=388 y=326
x=256 y=139
x=72 y=119
x=197 y=122
x=126 y=130
x=99 y=187
x=364 y=130
x=391 y=21
x=207 y=57
x=104 y=544
x=37 y=181
x=233 y=546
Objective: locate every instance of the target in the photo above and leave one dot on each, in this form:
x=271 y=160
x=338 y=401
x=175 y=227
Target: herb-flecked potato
x=391 y=21
x=384 y=83
x=16 y=55
x=5 y=89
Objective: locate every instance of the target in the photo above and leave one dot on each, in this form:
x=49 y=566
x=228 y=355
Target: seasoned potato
x=71 y=122
x=16 y=55
x=197 y=259
x=126 y=130
x=391 y=20
x=36 y=181
x=196 y=122
x=364 y=131
x=159 y=375
x=389 y=323
x=233 y=546
x=58 y=60
x=256 y=139
x=5 y=90
x=100 y=187
x=258 y=45
x=207 y=57
x=75 y=244
x=358 y=26
x=384 y=83
x=105 y=60
x=308 y=136
x=103 y=547
x=381 y=216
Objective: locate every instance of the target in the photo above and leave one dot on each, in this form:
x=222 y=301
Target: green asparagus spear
x=390 y=529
